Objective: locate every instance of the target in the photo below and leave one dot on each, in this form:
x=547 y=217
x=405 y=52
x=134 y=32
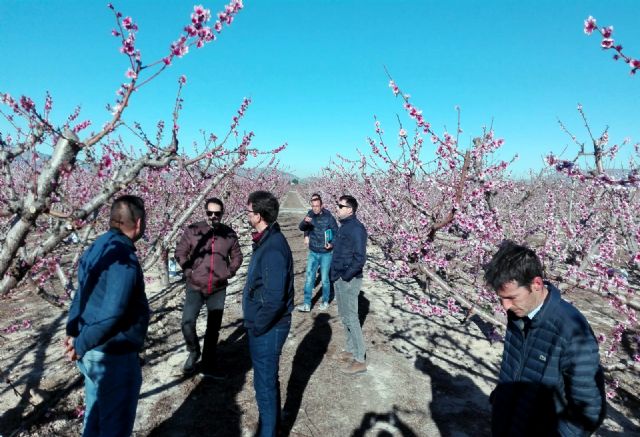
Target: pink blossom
x=167 y=60
x=607 y=31
x=394 y=88
x=48 y=103
x=128 y=46
x=606 y=43
x=200 y=15
x=115 y=33
x=402 y=133
x=131 y=74
x=26 y=103
x=182 y=80
x=191 y=30
x=81 y=126
x=589 y=25
x=128 y=24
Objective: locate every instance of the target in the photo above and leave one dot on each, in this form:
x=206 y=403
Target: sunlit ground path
x=421 y=380
x=292 y=203
x=427 y=376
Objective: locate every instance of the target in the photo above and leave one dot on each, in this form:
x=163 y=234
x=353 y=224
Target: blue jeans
x=265 y=353
x=111 y=386
x=315 y=260
x=347 y=296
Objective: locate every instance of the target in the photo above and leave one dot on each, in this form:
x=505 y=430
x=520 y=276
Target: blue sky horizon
x=315 y=71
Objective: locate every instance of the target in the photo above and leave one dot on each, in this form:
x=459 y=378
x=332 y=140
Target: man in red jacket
x=209 y=254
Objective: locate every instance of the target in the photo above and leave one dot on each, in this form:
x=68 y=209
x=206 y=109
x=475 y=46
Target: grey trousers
x=347 y=298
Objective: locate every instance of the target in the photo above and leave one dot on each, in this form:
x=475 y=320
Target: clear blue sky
x=314 y=69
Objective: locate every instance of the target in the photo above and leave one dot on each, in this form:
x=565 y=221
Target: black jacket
x=349 y=250
x=316 y=228
x=267 y=299
x=551 y=382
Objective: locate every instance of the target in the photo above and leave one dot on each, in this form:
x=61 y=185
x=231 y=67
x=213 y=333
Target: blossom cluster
x=608 y=43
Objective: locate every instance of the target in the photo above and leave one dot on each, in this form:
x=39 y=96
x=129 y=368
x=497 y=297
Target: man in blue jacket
x=551 y=381
x=349 y=255
x=319 y=227
x=267 y=303
x=108 y=321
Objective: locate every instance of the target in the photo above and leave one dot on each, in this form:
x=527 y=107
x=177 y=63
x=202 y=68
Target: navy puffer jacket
x=551 y=382
x=316 y=228
x=268 y=293
x=349 y=250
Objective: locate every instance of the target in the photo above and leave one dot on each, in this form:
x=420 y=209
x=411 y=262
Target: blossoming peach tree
x=439 y=214
x=57 y=177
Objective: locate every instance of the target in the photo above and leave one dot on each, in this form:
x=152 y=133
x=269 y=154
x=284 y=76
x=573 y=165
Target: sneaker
x=324 y=306
x=304 y=308
x=190 y=365
x=345 y=357
x=354 y=368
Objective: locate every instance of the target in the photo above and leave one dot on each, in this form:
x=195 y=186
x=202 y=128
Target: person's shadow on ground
x=383 y=425
x=212 y=408
x=308 y=357
x=363 y=308
x=457 y=404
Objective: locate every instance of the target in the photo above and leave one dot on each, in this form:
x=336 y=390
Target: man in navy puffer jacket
x=267 y=303
x=551 y=382
x=316 y=224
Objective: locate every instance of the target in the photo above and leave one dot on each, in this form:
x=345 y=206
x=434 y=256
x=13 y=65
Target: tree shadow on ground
x=363 y=308
x=383 y=425
x=212 y=407
x=28 y=411
x=308 y=357
x=457 y=404
x=628 y=427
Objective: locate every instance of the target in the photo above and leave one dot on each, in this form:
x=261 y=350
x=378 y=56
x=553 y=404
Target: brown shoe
x=354 y=368
x=345 y=357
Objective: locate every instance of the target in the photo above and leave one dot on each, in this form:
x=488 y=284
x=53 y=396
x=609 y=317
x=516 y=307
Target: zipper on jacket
x=525 y=353
x=213 y=245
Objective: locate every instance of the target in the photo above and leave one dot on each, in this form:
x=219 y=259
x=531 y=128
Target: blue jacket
x=109 y=311
x=315 y=229
x=349 y=250
x=551 y=382
x=267 y=299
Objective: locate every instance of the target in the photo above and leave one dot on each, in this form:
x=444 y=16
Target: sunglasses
x=342 y=206
x=216 y=213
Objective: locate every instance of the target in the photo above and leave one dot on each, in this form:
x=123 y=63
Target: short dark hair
x=512 y=262
x=316 y=196
x=214 y=200
x=351 y=201
x=126 y=210
x=265 y=204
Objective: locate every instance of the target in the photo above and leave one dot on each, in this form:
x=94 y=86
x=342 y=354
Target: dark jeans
x=215 y=306
x=265 y=353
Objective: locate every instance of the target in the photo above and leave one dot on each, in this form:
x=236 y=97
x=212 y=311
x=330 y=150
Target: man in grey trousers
x=349 y=254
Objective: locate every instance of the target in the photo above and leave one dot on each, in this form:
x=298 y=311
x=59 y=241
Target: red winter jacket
x=193 y=253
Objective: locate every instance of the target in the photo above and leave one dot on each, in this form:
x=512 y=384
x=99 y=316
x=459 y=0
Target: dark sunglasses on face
x=216 y=213
x=342 y=206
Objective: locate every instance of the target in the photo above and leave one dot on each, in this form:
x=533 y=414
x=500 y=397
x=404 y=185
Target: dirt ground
x=426 y=376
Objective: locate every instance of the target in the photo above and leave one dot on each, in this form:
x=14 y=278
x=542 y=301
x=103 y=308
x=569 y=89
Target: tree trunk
x=164 y=267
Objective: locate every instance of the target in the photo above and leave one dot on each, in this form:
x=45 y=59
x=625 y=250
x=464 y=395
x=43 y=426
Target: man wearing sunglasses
x=209 y=254
x=349 y=254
